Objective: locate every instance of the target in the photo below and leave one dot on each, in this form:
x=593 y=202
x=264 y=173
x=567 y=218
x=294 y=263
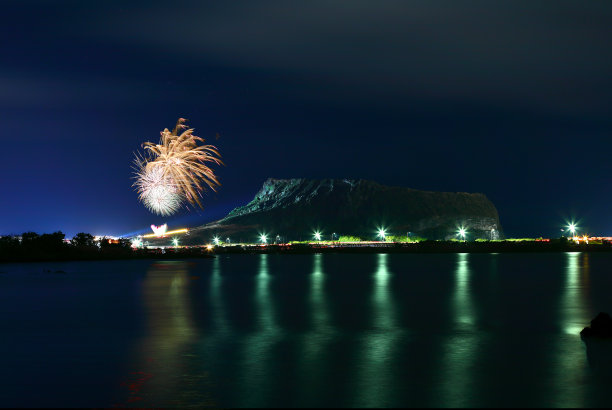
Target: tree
x=9 y=246
x=83 y=240
x=51 y=241
x=29 y=238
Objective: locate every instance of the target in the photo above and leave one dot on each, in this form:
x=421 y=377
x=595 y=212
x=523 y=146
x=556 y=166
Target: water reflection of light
x=167 y=302
x=321 y=326
x=574 y=313
x=258 y=346
x=462 y=344
x=375 y=381
x=462 y=301
x=321 y=332
x=265 y=309
x=218 y=312
x=171 y=332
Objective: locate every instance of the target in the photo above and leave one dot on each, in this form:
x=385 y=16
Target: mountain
x=295 y=208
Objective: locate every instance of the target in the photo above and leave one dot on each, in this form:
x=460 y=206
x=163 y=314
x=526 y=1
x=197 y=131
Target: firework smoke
x=174 y=171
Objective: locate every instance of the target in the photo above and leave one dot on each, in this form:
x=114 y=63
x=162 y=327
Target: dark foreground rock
x=598 y=341
x=601 y=327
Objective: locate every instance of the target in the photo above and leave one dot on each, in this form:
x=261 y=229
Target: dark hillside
x=294 y=208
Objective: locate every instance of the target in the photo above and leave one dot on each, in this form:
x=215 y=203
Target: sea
x=319 y=330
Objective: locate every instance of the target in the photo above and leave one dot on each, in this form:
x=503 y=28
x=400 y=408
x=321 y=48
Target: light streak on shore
x=176 y=231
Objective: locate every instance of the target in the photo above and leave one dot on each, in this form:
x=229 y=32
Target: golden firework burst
x=181 y=163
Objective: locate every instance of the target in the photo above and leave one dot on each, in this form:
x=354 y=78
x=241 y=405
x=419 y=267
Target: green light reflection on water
x=321 y=326
x=256 y=355
x=312 y=361
x=263 y=302
x=221 y=324
x=569 y=361
x=574 y=310
x=374 y=381
x=462 y=298
x=461 y=346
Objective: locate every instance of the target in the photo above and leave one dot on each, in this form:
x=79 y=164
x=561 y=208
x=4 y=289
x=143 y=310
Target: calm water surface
x=306 y=330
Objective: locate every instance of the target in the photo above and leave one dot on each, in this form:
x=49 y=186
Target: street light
x=317 y=235
x=381 y=233
x=572 y=228
x=462 y=232
x=263 y=238
x=216 y=240
x=175 y=242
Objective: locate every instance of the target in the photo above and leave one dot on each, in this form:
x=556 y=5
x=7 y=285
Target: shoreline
x=419 y=247
x=425 y=247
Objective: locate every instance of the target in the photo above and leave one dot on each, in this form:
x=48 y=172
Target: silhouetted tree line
x=52 y=246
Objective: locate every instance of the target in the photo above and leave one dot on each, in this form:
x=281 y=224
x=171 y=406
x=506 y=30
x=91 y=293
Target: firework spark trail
x=175 y=170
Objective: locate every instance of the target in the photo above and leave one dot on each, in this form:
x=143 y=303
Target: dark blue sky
x=511 y=99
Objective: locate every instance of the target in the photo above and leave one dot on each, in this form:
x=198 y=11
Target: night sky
x=511 y=99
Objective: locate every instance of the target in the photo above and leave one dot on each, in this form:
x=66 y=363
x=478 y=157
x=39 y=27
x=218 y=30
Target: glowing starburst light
x=216 y=240
x=263 y=238
x=461 y=232
x=317 y=236
x=382 y=233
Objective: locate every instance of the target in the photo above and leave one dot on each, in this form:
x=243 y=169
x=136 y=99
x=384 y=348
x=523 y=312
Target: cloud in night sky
x=545 y=58
x=28 y=90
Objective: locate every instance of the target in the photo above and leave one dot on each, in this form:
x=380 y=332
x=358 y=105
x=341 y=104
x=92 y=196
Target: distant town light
x=216 y=240
x=572 y=228
x=381 y=233
x=263 y=238
x=175 y=241
x=317 y=235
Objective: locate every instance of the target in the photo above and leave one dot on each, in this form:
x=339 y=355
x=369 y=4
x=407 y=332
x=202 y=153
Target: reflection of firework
x=157 y=191
x=175 y=170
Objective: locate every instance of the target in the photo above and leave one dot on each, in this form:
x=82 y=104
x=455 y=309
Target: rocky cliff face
x=294 y=208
